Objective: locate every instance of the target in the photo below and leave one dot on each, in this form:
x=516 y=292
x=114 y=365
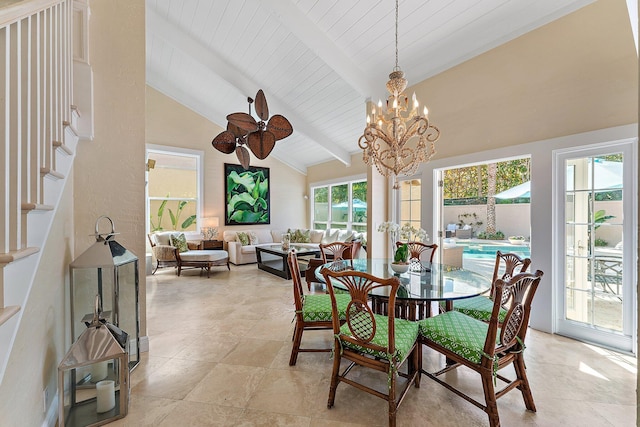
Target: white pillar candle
x=105 y=396
x=99 y=371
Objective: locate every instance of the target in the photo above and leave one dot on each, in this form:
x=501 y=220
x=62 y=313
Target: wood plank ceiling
x=319 y=60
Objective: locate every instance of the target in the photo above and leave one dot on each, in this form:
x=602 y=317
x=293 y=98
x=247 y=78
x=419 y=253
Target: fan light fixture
x=394 y=141
x=260 y=137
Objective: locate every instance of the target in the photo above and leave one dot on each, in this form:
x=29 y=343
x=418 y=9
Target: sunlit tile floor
x=219 y=352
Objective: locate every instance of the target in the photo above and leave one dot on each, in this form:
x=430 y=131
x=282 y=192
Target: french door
x=595 y=251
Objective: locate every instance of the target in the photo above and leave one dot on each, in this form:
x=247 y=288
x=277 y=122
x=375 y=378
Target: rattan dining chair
x=335 y=251
x=480 y=307
x=416 y=251
x=487 y=347
x=313 y=311
x=369 y=340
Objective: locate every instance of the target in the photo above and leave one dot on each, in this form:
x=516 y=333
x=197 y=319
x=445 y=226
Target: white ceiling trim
x=172 y=35
x=310 y=35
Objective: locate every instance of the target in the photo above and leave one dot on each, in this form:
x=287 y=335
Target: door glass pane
x=410 y=202
x=593 y=227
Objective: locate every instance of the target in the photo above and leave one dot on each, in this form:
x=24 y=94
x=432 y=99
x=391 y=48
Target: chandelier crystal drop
x=398 y=139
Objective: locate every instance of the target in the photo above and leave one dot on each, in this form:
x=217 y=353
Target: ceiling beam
x=174 y=36
x=315 y=39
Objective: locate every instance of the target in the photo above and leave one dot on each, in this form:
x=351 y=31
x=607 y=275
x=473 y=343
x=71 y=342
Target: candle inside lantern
x=99 y=371
x=105 y=396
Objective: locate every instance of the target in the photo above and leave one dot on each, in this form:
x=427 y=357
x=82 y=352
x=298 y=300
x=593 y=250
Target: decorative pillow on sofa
x=330 y=236
x=253 y=238
x=300 y=236
x=179 y=241
x=243 y=238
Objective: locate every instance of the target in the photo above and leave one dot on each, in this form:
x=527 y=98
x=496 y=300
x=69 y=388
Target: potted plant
x=400 y=262
x=517 y=240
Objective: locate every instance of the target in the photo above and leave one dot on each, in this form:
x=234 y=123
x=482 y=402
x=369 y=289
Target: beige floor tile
x=146 y=411
x=173 y=380
x=253 y=352
x=195 y=414
x=228 y=385
x=220 y=350
x=252 y=418
x=289 y=392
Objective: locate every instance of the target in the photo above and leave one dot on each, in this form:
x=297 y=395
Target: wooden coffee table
x=273 y=259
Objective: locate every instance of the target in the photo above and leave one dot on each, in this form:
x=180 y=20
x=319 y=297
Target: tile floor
x=219 y=352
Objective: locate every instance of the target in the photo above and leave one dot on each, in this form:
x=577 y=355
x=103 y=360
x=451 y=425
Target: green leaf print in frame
x=247 y=195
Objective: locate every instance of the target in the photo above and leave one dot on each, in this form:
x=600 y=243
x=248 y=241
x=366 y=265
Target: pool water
x=488 y=249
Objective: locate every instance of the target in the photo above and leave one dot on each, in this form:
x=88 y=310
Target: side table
x=211 y=245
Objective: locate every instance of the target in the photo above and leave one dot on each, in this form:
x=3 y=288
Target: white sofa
x=239 y=254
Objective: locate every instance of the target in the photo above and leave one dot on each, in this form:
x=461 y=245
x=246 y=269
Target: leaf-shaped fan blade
x=262 y=110
x=236 y=131
x=244 y=121
x=280 y=127
x=261 y=143
x=224 y=142
x=243 y=156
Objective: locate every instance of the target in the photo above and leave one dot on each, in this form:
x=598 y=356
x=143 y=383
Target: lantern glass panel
x=87 y=283
x=127 y=315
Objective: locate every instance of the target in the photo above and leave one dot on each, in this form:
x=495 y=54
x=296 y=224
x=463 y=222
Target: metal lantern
x=93 y=377
x=110 y=271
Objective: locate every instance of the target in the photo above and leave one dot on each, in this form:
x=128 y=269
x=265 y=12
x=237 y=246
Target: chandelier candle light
x=389 y=131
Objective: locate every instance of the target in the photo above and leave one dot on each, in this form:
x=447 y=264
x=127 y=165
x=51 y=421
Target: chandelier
x=395 y=139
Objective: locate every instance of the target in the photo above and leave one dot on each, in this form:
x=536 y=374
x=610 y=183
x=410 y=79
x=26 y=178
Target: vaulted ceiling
x=318 y=61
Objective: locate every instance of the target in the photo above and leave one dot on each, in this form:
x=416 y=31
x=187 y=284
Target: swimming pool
x=488 y=249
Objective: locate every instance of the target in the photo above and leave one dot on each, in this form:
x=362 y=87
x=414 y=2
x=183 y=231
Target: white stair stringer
x=18 y=274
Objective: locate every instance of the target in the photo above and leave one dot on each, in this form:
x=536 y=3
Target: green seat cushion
x=457 y=332
x=317 y=307
x=479 y=307
x=406 y=334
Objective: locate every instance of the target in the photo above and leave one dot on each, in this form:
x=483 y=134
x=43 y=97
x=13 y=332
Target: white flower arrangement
x=407 y=232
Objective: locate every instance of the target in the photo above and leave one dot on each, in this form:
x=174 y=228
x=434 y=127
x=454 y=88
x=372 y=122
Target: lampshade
x=213 y=221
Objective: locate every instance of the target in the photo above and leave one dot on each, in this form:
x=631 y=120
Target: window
x=173 y=189
x=342 y=205
x=410 y=203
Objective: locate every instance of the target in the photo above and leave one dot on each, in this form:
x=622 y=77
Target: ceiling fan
x=260 y=137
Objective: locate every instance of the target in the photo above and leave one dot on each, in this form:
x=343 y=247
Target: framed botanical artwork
x=246 y=195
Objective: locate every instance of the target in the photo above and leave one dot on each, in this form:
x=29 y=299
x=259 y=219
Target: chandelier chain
x=396 y=35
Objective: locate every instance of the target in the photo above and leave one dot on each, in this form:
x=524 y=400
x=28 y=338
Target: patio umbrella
x=608 y=176
x=522 y=190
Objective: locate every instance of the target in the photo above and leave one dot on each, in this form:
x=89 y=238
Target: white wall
x=543 y=315
x=511 y=219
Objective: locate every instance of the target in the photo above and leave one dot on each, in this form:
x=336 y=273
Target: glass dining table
x=420 y=287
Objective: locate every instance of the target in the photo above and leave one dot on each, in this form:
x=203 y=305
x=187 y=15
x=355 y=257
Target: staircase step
x=7 y=312
x=12 y=256
x=51 y=173
x=63 y=147
x=36 y=207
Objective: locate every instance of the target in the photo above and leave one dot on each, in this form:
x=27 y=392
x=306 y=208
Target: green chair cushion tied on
x=479 y=307
x=406 y=333
x=458 y=333
x=317 y=307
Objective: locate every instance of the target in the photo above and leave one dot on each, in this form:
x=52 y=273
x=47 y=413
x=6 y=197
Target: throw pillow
x=243 y=238
x=295 y=235
x=179 y=241
x=253 y=238
x=305 y=236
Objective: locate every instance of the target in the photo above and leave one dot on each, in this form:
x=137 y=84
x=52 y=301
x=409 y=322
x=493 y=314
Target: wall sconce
x=210 y=228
